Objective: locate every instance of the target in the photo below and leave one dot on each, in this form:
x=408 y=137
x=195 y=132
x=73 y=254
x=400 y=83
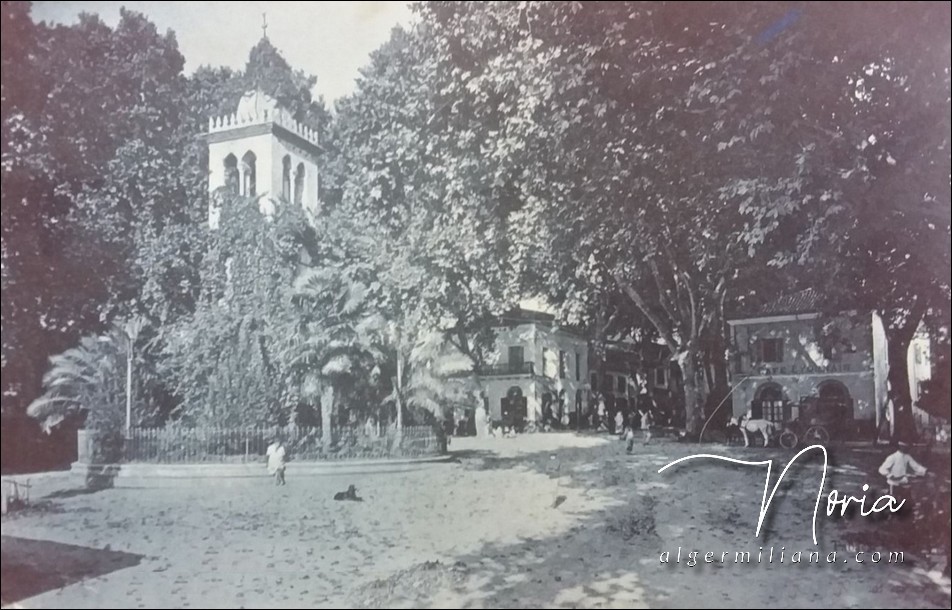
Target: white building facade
x=538 y=372
x=789 y=354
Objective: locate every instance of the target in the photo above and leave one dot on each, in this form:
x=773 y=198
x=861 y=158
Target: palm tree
x=339 y=337
x=431 y=374
x=86 y=379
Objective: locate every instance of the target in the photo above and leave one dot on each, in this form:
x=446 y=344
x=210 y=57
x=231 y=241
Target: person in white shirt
x=620 y=423
x=276 y=461
x=647 y=420
x=897 y=469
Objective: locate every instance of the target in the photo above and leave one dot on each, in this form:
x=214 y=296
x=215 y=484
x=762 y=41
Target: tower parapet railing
x=277 y=116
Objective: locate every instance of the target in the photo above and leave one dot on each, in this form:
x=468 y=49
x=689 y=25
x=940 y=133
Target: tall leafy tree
x=143 y=221
x=419 y=214
x=884 y=246
x=634 y=136
x=79 y=103
x=664 y=153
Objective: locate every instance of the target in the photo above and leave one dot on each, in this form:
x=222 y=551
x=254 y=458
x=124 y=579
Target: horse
x=765 y=428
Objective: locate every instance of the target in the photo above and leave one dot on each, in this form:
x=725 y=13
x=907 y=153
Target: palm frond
x=340 y=364
x=87 y=377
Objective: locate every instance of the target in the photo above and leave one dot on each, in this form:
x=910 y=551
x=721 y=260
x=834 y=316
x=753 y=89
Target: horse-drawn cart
x=812 y=421
x=817 y=421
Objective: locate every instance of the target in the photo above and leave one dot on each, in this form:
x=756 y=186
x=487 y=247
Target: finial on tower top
x=264 y=25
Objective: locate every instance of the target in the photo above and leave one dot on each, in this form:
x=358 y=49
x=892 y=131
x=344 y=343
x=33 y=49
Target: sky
x=331 y=40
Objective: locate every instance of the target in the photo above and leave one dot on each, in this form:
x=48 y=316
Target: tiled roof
x=519 y=314
x=803 y=301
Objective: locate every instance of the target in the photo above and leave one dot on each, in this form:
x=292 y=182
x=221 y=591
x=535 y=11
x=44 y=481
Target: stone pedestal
x=84 y=447
x=96 y=476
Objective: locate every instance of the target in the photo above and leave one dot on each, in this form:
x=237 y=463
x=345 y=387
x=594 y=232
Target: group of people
x=646 y=421
x=642 y=418
x=613 y=416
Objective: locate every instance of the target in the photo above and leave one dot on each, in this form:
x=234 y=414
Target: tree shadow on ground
x=73 y=492
x=470 y=454
x=32 y=567
x=609 y=556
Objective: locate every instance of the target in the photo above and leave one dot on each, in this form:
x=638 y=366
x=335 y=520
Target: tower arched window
x=231 y=173
x=249 y=188
x=286 y=178
x=299 y=183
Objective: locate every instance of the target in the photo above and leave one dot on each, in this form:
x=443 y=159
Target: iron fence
x=173 y=444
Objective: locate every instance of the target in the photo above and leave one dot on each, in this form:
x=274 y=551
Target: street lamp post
x=131 y=328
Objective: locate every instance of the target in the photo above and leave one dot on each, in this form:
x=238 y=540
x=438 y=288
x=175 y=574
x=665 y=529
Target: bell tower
x=261 y=151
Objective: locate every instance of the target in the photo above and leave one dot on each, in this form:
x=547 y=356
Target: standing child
x=276 y=461
x=647 y=419
x=630 y=438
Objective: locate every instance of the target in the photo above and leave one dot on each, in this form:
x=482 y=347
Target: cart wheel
x=789 y=439
x=817 y=434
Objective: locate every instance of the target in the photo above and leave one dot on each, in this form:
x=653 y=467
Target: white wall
x=269 y=151
x=919 y=361
x=533 y=338
x=880 y=367
x=309 y=198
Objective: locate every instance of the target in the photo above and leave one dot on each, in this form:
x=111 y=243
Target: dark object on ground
x=687 y=437
x=350 y=494
x=558 y=501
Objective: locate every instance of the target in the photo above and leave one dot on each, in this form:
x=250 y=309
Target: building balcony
x=507 y=369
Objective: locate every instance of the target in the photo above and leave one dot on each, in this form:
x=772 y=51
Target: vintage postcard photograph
x=522 y=304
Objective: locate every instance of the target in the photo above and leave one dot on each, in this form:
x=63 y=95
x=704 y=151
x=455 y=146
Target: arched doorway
x=834 y=403
x=770 y=403
x=514 y=408
x=833 y=390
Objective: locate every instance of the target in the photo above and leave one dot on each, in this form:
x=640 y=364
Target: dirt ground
x=544 y=520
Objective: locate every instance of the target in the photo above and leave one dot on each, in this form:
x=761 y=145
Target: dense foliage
x=647 y=168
